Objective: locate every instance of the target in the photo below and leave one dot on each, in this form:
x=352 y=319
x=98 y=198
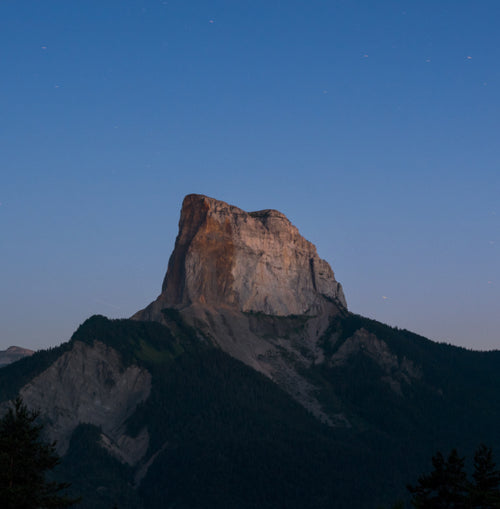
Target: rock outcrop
x=397 y=369
x=90 y=384
x=254 y=262
x=253 y=286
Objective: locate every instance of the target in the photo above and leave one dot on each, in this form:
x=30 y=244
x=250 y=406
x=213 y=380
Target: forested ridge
x=223 y=435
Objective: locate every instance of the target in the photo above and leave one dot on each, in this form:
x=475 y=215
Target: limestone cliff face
x=253 y=286
x=90 y=384
x=398 y=370
x=251 y=262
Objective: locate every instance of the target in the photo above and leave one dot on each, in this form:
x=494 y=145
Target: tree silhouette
x=485 y=489
x=24 y=461
x=445 y=487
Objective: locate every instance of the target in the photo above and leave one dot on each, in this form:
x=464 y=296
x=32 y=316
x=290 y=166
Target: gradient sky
x=373 y=125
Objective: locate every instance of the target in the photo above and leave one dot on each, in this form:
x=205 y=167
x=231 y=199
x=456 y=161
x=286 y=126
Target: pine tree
x=485 y=489
x=446 y=487
x=24 y=461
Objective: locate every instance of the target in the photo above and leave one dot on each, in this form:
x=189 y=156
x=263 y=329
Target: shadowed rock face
x=91 y=385
x=251 y=262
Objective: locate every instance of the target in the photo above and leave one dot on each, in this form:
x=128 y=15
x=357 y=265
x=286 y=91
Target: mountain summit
x=250 y=284
x=250 y=261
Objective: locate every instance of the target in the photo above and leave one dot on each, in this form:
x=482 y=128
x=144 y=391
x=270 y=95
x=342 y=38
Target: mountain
x=253 y=262
x=248 y=383
x=254 y=287
x=12 y=354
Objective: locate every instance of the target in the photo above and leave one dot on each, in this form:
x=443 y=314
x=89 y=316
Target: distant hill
x=249 y=384
x=12 y=354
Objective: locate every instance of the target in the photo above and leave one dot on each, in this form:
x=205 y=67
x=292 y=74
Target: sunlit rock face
x=253 y=262
x=249 y=283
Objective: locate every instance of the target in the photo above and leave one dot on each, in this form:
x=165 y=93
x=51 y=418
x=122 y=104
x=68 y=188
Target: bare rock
x=89 y=384
x=253 y=286
x=396 y=369
x=253 y=262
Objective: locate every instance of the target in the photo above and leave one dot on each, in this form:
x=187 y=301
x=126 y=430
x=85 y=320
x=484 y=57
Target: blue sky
x=373 y=125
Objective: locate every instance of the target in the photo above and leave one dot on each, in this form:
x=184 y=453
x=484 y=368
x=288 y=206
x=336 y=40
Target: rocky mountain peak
x=249 y=261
